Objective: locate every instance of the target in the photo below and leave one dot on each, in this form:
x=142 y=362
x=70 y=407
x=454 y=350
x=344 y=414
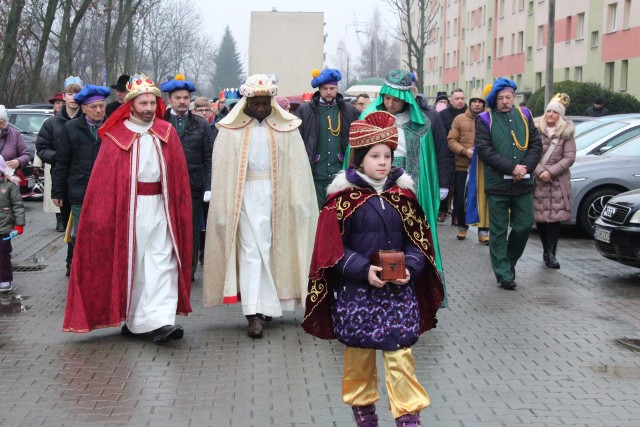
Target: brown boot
x=255 y=327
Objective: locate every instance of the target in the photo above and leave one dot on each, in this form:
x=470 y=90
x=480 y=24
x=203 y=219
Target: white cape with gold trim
x=294 y=216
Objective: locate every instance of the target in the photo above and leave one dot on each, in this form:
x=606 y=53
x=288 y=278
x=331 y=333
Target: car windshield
x=587 y=126
x=30 y=122
x=585 y=140
x=629 y=148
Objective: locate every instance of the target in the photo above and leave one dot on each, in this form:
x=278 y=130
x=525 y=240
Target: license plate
x=31 y=182
x=603 y=235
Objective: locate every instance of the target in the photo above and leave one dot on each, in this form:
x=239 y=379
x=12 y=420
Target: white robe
x=257 y=287
x=153 y=299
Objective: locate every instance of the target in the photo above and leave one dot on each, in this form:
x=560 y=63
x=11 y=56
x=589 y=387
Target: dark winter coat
x=13 y=147
x=197 y=143
x=11 y=206
x=364 y=316
x=111 y=107
x=308 y=113
x=552 y=201
x=49 y=136
x=75 y=156
x=443 y=155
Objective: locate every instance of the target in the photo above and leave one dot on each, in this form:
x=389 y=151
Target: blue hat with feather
x=178 y=83
x=92 y=93
x=328 y=75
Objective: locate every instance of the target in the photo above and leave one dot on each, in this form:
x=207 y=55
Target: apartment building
x=477 y=41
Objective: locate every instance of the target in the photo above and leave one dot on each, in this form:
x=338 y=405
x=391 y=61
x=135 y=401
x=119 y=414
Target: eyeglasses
x=203 y=110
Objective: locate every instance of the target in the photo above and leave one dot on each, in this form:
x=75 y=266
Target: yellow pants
x=360 y=380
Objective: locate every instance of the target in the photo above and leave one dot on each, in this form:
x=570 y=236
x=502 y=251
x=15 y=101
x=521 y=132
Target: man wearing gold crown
x=508 y=143
x=325 y=129
x=132 y=257
x=262 y=225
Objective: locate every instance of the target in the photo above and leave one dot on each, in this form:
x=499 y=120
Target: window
x=627 y=14
x=594 y=38
x=567 y=31
x=520 y=46
x=538 y=80
x=500 y=47
x=540 y=37
x=520 y=4
x=529 y=53
x=612 y=21
x=577 y=74
x=501 y=9
x=624 y=75
x=530 y=8
x=609 y=68
x=513 y=44
x=566 y=73
x=580 y=26
x=488 y=62
x=455 y=26
x=490 y=23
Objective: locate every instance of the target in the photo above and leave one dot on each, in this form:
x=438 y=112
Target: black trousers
x=549 y=234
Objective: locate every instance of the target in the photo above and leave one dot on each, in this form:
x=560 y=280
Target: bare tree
x=416 y=33
x=42 y=40
x=73 y=12
x=379 y=54
x=9 y=45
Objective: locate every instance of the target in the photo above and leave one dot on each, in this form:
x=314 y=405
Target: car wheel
x=591 y=207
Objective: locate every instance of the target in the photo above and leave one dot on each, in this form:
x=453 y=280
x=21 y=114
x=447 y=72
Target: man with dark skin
x=263 y=208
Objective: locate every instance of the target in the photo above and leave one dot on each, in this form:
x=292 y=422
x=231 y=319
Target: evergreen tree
x=228 y=67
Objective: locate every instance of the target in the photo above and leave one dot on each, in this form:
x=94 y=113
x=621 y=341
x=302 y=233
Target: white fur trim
x=340 y=183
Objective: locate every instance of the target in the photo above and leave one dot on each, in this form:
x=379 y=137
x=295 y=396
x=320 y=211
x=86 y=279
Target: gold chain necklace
x=336 y=131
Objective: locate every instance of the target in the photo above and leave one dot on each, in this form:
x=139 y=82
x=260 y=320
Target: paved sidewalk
x=544 y=355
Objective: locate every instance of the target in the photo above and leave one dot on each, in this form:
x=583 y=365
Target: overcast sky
x=342 y=18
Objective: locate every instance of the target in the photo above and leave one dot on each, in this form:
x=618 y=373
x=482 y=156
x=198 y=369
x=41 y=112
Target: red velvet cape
x=329 y=249
x=97 y=294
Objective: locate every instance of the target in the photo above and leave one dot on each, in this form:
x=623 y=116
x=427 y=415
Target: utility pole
x=551 y=30
x=373 y=52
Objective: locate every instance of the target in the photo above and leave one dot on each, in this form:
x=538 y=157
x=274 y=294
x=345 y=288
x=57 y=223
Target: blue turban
x=498 y=86
x=179 y=83
x=92 y=93
x=328 y=75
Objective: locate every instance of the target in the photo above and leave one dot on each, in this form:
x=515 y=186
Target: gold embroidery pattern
x=316 y=294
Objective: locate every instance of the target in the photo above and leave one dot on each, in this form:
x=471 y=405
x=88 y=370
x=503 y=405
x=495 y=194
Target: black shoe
x=509 y=285
x=125 y=330
x=68 y=271
x=255 y=327
x=168 y=333
x=60 y=226
x=551 y=261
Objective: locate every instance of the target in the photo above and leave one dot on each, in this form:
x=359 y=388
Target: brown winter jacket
x=552 y=201
x=461 y=137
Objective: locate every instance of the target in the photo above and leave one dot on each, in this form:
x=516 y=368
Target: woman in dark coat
x=372 y=207
x=552 y=191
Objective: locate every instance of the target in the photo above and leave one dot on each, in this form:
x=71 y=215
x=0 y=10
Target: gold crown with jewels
x=139 y=84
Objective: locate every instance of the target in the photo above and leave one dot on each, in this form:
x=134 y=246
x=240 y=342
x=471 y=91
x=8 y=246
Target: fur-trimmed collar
x=341 y=182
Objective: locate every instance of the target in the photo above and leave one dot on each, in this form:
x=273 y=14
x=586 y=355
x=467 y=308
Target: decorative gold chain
x=518 y=145
x=334 y=132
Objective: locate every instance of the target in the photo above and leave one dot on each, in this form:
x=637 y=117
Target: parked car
x=617 y=230
x=607 y=136
x=596 y=179
x=585 y=124
x=29 y=122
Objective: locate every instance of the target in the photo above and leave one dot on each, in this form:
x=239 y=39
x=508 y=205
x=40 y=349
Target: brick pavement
x=545 y=355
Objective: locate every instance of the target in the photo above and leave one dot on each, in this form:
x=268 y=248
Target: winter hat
x=442 y=96
x=283 y=102
x=179 y=83
x=121 y=84
x=91 y=93
x=3 y=113
x=326 y=76
x=58 y=96
x=559 y=103
x=477 y=95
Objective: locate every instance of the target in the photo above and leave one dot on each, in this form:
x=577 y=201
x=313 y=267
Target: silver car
x=596 y=179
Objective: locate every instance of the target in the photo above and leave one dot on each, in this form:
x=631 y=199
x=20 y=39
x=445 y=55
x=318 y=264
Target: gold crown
x=563 y=99
x=139 y=84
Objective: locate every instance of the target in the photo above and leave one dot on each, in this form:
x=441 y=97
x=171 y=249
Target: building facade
x=477 y=41
x=289 y=45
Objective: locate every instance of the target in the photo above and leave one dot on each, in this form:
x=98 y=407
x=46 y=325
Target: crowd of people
x=284 y=209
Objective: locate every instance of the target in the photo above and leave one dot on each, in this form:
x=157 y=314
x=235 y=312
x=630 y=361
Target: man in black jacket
x=457 y=106
x=77 y=151
x=121 y=91
x=326 y=121
x=197 y=141
x=48 y=140
x=508 y=143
